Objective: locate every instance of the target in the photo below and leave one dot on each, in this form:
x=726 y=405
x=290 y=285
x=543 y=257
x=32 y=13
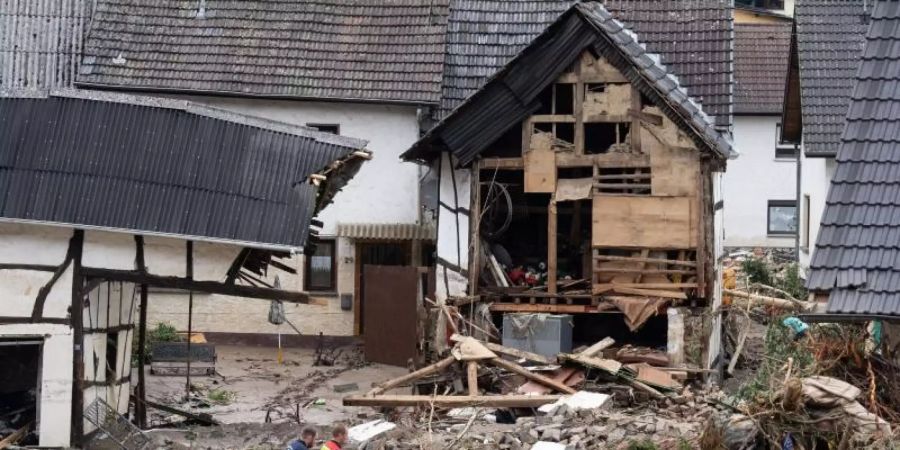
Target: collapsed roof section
x=857 y=256
x=151 y=166
x=512 y=93
x=380 y=51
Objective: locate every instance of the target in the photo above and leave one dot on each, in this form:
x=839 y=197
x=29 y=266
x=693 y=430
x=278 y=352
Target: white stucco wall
x=452 y=229
x=815 y=179
x=753 y=179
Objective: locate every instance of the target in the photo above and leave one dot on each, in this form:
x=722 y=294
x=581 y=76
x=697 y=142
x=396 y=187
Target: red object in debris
x=517 y=275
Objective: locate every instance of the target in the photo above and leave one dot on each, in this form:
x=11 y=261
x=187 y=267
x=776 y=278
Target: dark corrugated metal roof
x=760 y=66
x=161 y=168
x=511 y=94
x=375 y=50
x=857 y=255
x=830 y=38
x=692 y=36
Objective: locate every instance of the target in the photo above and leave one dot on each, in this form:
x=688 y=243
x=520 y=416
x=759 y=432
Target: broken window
x=320 y=267
x=601 y=137
x=782 y=217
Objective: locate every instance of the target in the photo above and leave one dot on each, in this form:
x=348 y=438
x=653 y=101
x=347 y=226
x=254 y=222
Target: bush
x=757 y=270
x=163 y=332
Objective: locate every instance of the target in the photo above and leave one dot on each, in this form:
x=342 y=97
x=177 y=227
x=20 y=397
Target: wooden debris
x=609 y=366
x=768 y=301
x=472 y=375
x=202 y=418
x=15 y=437
x=516 y=353
x=650 y=292
x=453 y=401
x=570 y=376
x=742 y=337
x=412 y=376
x=652 y=376
x=598 y=347
x=471 y=349
x=538 y=378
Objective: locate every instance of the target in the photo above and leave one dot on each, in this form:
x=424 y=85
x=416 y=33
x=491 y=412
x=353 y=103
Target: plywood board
x=574 y=189
x=540 y=164
x=642 y=222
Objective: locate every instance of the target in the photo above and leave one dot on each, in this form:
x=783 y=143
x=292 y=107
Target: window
x=332 y=128
x=320 y=268
x=805 y=234
x=783 y=151
x=782 y=217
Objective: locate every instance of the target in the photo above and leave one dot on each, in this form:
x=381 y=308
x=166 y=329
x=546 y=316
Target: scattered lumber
x=609 y=366
x=515 y=353
x=412 y=376
x=742 y=337
x=538 y=378
x=452 y=401
x=15 y=437
x=768 y=301
x=650 y=292
x=603 y=344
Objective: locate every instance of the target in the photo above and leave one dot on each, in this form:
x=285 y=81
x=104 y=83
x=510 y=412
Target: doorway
x=20 y=387
x=378 y=254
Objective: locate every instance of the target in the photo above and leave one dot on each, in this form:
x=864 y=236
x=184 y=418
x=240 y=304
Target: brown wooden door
x=390 y=320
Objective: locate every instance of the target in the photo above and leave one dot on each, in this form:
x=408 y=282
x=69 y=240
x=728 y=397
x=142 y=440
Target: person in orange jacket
x=338 y=438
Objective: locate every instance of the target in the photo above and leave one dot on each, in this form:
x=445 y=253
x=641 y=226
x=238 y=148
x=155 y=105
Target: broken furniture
x=171 y=358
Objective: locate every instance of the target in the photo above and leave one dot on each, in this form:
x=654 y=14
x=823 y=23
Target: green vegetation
x=221 y=396
x=163 y=332
x=779 y=347
x=758 y=271
x=645 y=444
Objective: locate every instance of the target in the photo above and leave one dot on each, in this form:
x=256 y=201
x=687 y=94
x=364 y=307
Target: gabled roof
x=760 y=66
x=693 y=37
x=40 y=43
x=511 y=94
x=857 y=255
x=374 y=50
x=830 y=35
x=164 y=167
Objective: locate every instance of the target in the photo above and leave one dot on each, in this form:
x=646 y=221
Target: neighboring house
x=762 y=11
x=611 y=167
x=855 y=263
x=826 y=47
x=761 y=184
x=110 y=201
x=370 y=70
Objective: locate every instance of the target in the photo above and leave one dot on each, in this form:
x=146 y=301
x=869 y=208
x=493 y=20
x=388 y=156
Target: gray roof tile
x=377 y=50
x=857 y=255
x=761 y=53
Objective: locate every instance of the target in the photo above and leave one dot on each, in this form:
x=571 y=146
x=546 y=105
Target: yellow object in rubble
x=729 y=281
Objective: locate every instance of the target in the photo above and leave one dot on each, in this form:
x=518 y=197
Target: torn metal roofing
x=511 y=94
x=830 y=38
x=40 y=43
x=857 y=255
x=693 y=37
x=377 y=50
x=761 y=53
x=166 y=167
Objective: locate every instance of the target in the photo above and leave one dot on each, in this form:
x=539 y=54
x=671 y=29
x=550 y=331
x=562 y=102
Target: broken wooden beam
x=598 y=347
x=769 y=301
x=650 y=292
x=514 y=352
x=15 y=436
x=412 y=376
x=538 y=378
x=452 y=401
x=472 y=375
x=606 y=287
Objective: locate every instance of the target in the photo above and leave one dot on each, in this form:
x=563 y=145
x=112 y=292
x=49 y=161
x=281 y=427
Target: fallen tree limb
x=768 y=301
x=453 y=401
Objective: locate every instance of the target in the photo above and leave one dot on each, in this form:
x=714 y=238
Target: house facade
x=585 y=155
x=761 y=183
x=368 y=70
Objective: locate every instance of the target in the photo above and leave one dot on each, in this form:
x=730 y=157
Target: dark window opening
x=112 y=353
x=507 y=145
x=600 y=136
x=321 y=268
x=783 y=151
x=782 y=217
x=766 y=4
x=325 y=127
x=545 y=98
x=565 y=132
x=597 y=88
x=575 y=172
x=564 y=102
x=542 y=126
x=20 y=386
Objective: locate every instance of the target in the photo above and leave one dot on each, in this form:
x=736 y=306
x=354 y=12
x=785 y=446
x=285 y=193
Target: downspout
x=799 y=206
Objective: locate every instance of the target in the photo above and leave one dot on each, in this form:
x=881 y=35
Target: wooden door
x=389 y=324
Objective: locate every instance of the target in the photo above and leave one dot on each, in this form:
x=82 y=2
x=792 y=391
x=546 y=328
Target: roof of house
x=760 y=66
x=164 y=167
x=857 y=255
x=692 y=36
x=830 y=36
x=511 y=94
x=40 y=43
x=376 y=50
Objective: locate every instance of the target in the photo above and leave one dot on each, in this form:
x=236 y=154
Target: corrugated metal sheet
x=40 y=43
x=374 y=50
x=830 y=39
x=387 y=231
x=511 y=94
x=857 y=255
x=760 y=66
x=158 y=169
x=692 y=36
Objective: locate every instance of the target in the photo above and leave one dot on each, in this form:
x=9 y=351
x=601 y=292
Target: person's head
x=308 y=436
x=339 y=434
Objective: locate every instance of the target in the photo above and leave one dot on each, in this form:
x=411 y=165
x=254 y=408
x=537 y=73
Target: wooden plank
x=516 y=353
x=623 y=176
x=554 y=309
x=475 y=254
x=609 y=366
x=553 y=118
x=551 y=246
x=642 y=270
x=652 y=119
x=573 y=189
x=605 y=160
x=15 y=436
x=673 y=262
x=536 y=377
x=622 y=186
x=200 y=417
x=642 y=222
x=412 y=376
x=650 y=292
x=451 y=401
x=598 y=347
x=540 y=164
x=600 y=288
x=502 y=163
x=472 y=375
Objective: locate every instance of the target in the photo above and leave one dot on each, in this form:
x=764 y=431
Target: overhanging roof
x=150 y=166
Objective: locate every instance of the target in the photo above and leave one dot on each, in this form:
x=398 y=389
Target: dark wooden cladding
x=390 y=318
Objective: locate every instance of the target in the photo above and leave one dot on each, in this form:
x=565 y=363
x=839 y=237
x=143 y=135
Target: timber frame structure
x=589 y=131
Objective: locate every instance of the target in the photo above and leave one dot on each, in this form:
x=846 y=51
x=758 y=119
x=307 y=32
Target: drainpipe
x=799 y=206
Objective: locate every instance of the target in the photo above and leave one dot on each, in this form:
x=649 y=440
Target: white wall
x=753 y=179
x=452 y=229
x=815 y=179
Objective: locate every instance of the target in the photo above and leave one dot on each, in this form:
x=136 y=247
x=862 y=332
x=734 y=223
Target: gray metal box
x=545 y=334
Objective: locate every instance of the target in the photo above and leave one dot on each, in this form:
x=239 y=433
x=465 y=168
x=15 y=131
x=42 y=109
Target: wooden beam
x=502 y=163
x=76 y=312
x=551 y=245
x=412 y=376
x=640 y=270
x=15 y=437
x=514 y=352
x=652 y=119
x=599 y=346
x=202 y=418
x=140 y=407
x=673 y=262
x=555 y=309
x=623 y=176
x=35 y=267
x=536 y=377
x=622 y=186
x=600 y=288
x=15 y=320
x=472 y=375
x=210 y=287
x=451 y=401
x=650 y=292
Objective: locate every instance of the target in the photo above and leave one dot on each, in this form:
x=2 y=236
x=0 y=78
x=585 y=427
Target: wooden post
x=140 y=406
x=472 y=369
x=77 y=312
x=551 y=247
x=635 y=121
x=189 y=274
x=475 y=225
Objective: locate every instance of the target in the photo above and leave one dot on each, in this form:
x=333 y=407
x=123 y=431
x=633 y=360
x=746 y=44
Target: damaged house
x=107 y=199
x=583 y=178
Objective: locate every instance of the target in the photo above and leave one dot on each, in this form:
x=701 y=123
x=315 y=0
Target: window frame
x=318 y=127
x=307 y=266
x=783 y=151
x=780 y=203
